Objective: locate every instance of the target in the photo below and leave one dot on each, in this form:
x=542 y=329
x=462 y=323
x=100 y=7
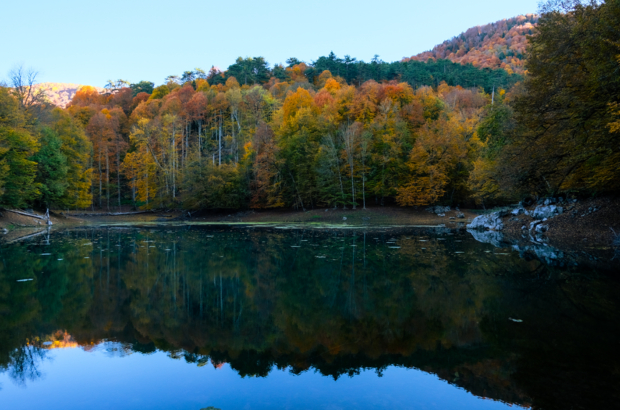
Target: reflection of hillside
x=60 y=340
x=250 y=299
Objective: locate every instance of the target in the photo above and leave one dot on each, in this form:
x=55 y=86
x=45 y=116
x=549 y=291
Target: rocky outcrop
x=492 y=221
x=546 y=211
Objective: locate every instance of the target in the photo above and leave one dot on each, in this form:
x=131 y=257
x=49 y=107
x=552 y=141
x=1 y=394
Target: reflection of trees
x=32 y=309
x=24 y=364
x=338 y=303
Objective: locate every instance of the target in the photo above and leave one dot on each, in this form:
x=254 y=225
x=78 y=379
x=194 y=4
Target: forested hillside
x=334 y=132
x=496 y=45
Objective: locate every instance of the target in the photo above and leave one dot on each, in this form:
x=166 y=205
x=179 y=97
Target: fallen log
x=112 y=213
x=27 y=214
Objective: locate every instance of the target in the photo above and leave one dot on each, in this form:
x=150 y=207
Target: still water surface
x=244 y=318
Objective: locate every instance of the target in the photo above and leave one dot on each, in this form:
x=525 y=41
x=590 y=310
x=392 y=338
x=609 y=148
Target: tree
x=76 y=148
x=23 y=82
x=439 y=148
x=351 y=138
x=16 y=148
x=563 y=142
x=142 y=87
x=51 y=168
x=267 y=181
x=114 y=86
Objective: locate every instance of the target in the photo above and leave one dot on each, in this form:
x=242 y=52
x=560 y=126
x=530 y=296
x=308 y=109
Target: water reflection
x=336 y=302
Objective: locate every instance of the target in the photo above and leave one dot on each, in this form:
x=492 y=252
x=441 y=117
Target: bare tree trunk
x=174 y=187
x=297 y=191
x=118 y=175
x=188 y=130
x=349 y=145
x=234 y=142
x=199 y=139
x=92 y=186
x=334 y=154
x=363 y=188
x=100 y=181
x=238 y=133
x=364 y=148
x=107 y=177
x=133 y=192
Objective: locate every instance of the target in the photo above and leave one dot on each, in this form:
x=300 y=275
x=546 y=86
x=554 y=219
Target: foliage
x=17 y=145
x=51 y=168
x=563 y=139
x=339 y=132
x=142 y=87
x=496 y=45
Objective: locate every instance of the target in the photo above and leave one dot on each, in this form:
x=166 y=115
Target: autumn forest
x=469 y=124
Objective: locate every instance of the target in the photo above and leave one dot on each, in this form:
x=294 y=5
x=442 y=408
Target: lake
x=240 y=317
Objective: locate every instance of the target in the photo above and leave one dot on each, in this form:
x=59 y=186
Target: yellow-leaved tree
x=440 y=148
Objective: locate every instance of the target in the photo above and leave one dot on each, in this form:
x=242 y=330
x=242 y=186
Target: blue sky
x=89 y=42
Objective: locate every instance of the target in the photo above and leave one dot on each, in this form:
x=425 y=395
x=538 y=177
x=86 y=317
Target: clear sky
x=88 y=42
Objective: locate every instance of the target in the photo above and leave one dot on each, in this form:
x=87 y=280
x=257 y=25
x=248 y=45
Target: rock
x=540 y=228
x=517 y=211
x=549 y=211
x=442 y=215
x=344 y=218
x=460 y=215
x=492 y=221
x=438 y=209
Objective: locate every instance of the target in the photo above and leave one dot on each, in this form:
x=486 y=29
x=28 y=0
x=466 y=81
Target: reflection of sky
x=76 y=379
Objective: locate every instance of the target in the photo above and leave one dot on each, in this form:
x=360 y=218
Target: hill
x=496 y=45
x=61 y=94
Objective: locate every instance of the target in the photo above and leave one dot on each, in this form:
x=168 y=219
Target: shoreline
x=586 y=226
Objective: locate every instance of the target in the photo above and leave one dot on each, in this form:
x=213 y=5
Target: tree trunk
x=107 y=177
x=173 y=155
x=199 y=138
x=118 y=175
x=100 y=181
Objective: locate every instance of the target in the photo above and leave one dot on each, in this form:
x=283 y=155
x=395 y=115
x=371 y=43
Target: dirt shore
x=586 y=224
